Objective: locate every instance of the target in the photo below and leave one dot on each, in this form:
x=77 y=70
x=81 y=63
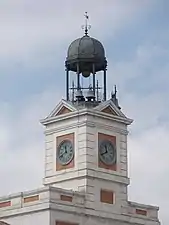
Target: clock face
x=65 y=152
x=107 y=152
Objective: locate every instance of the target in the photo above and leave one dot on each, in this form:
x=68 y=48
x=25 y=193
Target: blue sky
x=33 y=44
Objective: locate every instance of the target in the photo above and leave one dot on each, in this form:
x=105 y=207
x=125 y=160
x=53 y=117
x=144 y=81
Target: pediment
x=66 y=109
x=110 y=108
x=62 y=108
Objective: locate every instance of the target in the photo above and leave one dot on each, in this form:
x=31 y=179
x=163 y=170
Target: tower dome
x=86 y=51
x=85 y=57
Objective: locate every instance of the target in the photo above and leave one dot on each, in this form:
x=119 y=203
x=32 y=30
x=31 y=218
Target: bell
x=90 y=95
x=79 y=94
x=86 y=73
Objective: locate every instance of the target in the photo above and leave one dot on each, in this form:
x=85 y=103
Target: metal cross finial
x=86 y=27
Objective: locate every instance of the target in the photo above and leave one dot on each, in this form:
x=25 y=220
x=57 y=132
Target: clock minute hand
x=63 y=153
x=104 y=151
x=65 y=150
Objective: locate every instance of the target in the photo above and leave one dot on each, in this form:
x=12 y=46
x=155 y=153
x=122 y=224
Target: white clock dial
x=107 y=152
x=65 y=152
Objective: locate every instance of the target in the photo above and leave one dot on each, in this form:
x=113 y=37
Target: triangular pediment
x=66 y=109
x=62 y=108
x=110 y=108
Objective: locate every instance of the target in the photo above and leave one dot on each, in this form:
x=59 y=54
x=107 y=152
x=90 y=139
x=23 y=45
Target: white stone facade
x=72 y=195
x=49 y=208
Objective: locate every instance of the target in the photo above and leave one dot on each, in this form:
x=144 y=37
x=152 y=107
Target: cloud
x=142 y=80
x=22 y=143
x=26 y=27
x=148 y=167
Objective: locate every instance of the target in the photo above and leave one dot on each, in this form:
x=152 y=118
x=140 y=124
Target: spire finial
x=115 y=92
x=86 y=27
x=114 y=97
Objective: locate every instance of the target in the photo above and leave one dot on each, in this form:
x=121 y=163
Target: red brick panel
x=31 y=198
x=141 y=212
x=5 y=204
x=107 y=196
x=66 y=198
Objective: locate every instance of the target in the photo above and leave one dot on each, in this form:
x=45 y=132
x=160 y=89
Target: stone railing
x=49 y=196
x=39 y=196
x=141 y=211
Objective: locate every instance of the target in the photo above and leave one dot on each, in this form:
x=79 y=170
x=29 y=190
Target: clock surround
x=65 y=152
x=60 y=139
x=107 y=152
x=110 y=138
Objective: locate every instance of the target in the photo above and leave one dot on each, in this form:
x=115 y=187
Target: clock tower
x=86 y=134
x=86 y=171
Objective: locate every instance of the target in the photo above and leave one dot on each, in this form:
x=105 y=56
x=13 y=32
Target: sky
x=34 y=39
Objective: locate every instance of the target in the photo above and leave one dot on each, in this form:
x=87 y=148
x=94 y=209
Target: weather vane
x=86 y=27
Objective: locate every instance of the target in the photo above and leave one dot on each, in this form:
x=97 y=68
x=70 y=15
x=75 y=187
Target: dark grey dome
x=86 y=50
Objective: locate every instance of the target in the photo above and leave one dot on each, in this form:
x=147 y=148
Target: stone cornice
x=83 y=112
x=88 y=173
x=85 y=123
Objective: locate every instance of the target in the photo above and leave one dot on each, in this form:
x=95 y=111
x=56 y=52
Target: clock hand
x=61 y=155
x=65 y=150
x=104 y=151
